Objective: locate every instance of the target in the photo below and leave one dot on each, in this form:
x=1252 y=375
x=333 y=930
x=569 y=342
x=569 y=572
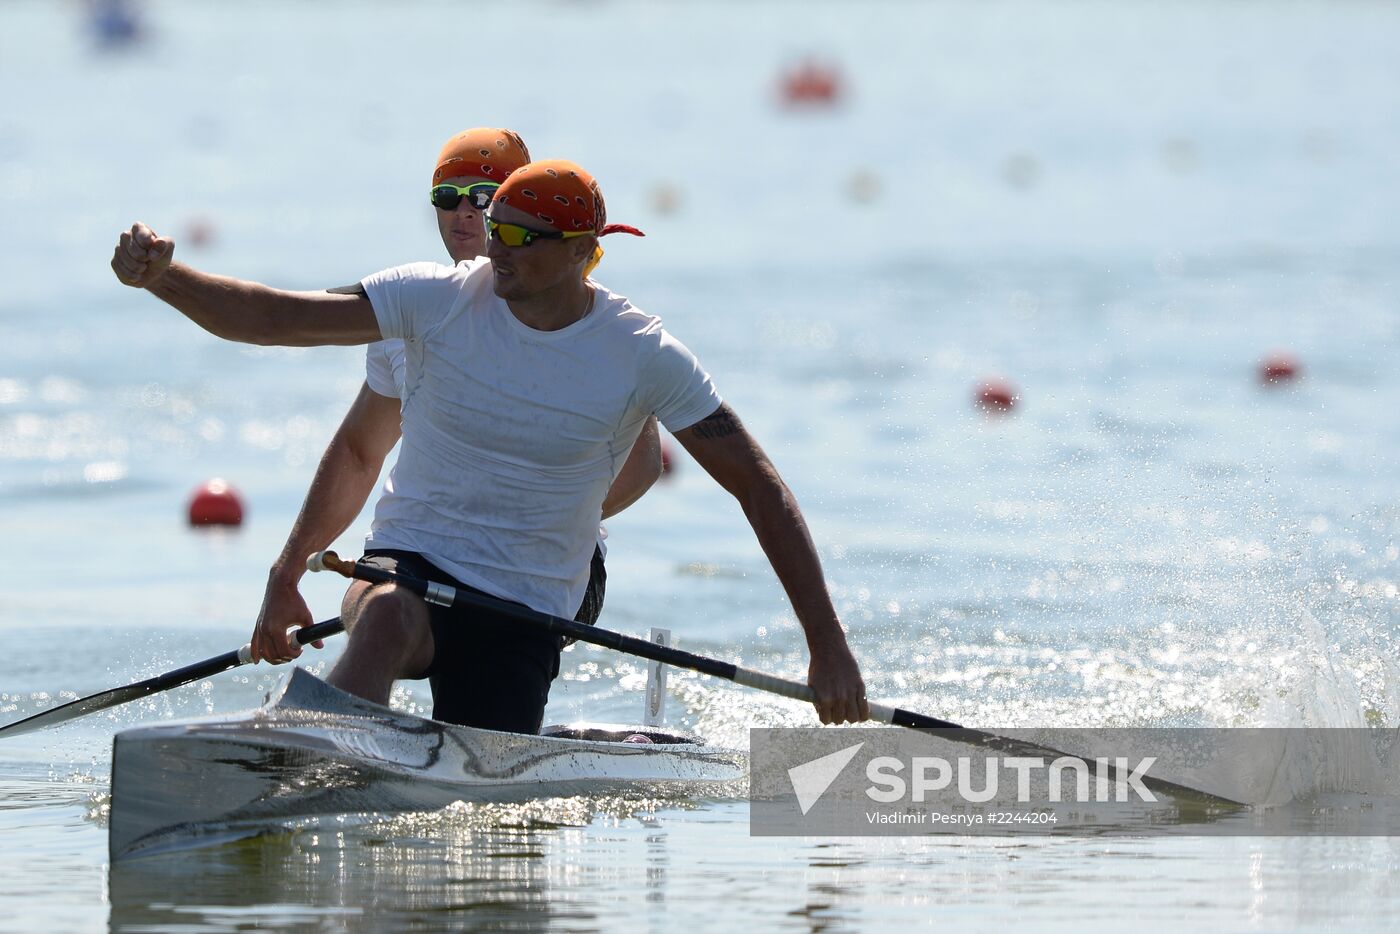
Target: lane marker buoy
x=996 y=395
x=667 y=463
x=811 y=83
x=199 y=232
x=1279 y=367
x=215 y=503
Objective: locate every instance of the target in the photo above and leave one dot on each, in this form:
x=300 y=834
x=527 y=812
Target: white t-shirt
x=512 y=436
x=385 y=364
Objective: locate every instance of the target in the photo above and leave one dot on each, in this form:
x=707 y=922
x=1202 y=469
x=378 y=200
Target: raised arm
x=237 y=310
x=639 y=472
x=730 y=454
x=343 y=482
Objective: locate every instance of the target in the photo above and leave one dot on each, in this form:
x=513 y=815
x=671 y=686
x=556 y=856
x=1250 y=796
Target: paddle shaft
x=173 y=679
x=446 y=596
x=443 y=595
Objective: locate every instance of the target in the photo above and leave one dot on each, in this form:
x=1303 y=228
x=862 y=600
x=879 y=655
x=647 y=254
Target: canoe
x=313 y=750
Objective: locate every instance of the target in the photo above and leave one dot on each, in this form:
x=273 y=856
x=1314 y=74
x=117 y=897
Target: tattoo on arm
x=356 y=289
x=721 y=423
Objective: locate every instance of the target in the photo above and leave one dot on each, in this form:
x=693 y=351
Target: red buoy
x=665 y=199
x=667 y=465
x=640 y=739
x=1278 y=368
x=199 y=232
x=997 y=396
x=811 y=83
x=216 y=503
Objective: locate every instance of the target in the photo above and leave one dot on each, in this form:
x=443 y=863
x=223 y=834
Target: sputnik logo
x=810 y=780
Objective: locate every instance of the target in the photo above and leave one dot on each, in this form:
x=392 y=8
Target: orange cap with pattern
x=562 y=195
x=483 y=152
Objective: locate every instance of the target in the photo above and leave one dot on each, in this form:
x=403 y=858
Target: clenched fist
x=141 y=257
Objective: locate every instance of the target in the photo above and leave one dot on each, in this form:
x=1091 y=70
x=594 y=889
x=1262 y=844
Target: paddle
x=444 y=595
x=205 y=669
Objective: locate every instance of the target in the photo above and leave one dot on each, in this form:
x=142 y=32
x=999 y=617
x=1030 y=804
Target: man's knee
x=385 y=612
x=363 y=598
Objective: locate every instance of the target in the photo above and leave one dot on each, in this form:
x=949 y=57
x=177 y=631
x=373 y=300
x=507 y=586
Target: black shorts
x=487 y=671
x=593 y=597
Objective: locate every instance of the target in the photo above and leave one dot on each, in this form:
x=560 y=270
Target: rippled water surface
x=1120 y=208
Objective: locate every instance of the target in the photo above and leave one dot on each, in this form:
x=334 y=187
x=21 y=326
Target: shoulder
x=618 y=315
x=410 y=292
x=423 y=273
x=654 y=349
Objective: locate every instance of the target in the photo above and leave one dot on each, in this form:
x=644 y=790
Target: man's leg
x=493 y=674
x=485 y=671
x=389 y=638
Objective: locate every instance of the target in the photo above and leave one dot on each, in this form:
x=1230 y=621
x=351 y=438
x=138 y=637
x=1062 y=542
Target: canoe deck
x=313 y=750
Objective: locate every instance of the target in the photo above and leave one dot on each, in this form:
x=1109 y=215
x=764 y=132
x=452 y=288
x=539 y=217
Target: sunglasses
x=478 y=195
x=516 y=235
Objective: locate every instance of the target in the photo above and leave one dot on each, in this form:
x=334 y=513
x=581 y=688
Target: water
x=1119 y=208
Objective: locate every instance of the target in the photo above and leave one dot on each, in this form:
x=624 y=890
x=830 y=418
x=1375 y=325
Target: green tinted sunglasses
x=447 y=197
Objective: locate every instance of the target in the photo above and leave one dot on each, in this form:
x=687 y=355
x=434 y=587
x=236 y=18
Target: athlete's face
x=463 y=232
x=525 y=271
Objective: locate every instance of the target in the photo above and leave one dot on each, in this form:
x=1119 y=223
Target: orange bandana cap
x=483 y=152
x=562 y=195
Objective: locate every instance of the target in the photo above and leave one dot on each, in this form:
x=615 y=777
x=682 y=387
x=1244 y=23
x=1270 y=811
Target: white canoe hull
x=315 y=750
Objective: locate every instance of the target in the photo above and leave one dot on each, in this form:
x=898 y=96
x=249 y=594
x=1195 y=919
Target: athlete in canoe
x=527 y=384
x=468 y=170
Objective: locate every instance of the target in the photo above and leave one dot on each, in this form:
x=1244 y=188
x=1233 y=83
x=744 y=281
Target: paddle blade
x=78 y=708
x=173 y=679
x=95 y=702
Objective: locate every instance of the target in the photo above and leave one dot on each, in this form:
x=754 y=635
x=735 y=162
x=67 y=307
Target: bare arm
x=731 y=455
x=641 y=469
x=343 y=482
x=237 y=310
